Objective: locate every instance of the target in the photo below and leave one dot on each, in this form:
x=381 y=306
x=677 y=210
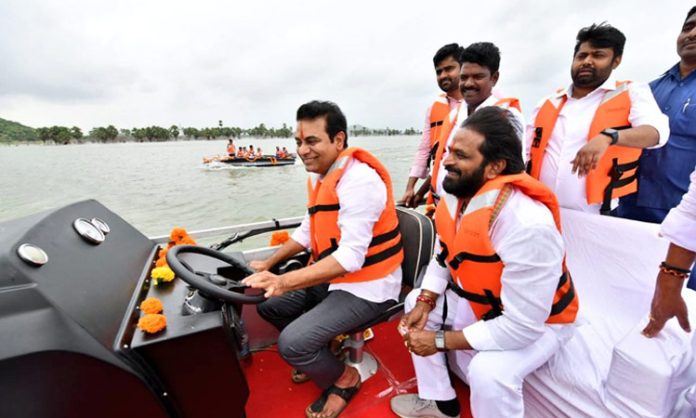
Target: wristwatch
x=440 y=340
x=611 y=133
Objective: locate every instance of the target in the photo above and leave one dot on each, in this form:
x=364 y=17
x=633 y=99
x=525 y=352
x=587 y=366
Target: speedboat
x=264 y=161
x=72 y=281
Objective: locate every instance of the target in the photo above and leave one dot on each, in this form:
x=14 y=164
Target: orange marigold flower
x=151 y=306
x=279 y=237
x=178 y=234
x=152 y=323
x=161 y=262
x=187 y=241
x=163 y=252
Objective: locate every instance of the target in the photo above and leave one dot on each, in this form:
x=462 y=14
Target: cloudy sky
x=191 y=63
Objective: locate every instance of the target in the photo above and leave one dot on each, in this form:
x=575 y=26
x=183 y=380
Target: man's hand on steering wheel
x=273 y=284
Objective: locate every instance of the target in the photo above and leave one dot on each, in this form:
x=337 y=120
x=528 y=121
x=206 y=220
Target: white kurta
x=570 y=134
x=516 y=343
x=362 y=196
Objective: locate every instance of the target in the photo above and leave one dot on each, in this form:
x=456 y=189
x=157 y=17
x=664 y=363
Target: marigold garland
x=151 y=306
x=279 y=237
x=162 y=274
x=152 y=323
x=178 y=236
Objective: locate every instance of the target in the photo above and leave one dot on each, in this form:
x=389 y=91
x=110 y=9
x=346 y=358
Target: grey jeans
x=308 y=319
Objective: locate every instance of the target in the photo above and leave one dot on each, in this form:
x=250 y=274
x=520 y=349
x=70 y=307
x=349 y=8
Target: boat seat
x=418 y=237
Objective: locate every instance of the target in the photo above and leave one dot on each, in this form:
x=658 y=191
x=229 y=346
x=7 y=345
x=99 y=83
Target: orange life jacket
x=385 y=254
x=230 y=149
x=615 y=175
x=469 y=255
x=504 y=103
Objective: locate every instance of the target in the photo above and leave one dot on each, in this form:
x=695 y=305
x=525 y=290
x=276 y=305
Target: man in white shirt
x=480 y=63
x=437 y=119
x=497 y=292
x=352 y=230
x=584 y=142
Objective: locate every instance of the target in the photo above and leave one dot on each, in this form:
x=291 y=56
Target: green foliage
x=13 y=131
x=76 y=133
x=56 y=134
x=104 y=134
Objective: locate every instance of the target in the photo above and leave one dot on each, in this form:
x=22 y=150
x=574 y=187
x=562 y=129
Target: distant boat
x=265 y=161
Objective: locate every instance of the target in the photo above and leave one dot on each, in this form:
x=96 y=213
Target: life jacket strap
x=436 y=123
x=383 y=255
x=323 y=208
x=488 y=298
x=463 y=256
x=617 y=171
x=567 y=298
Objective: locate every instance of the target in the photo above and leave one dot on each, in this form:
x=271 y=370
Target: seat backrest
x=418 y=235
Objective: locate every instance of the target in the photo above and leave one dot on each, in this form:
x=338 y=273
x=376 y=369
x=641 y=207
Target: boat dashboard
x=71 y=282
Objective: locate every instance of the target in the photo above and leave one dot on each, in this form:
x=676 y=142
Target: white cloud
x=135 y=63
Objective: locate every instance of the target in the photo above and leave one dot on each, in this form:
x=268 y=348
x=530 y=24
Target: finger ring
x=405 y=343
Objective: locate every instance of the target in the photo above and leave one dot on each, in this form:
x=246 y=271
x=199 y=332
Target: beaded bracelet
x=426 y=300
x=674 y=271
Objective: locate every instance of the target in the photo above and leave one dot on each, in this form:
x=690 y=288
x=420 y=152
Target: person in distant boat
x=585 y=140
x=680 y=228
x=231 y=151
x=480 y=63
x=437 y=119
x=286 y=153
x=251 y=153
x=349 y=280
x=242 y=152
x=278 y=154
x=502 y=227
x=663 y=173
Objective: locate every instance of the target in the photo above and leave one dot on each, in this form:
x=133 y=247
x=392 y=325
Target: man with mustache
x=497 y=292
x=585 y=140
x=479 y=74
x=663 y=174
x=438 y=119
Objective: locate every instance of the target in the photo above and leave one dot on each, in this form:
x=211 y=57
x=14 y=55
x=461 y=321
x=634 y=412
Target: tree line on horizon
x=107 y=134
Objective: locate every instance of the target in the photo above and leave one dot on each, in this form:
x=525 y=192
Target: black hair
x=335 y=119
x=484 y=54
x=502 y=140
x=601 y=35
x=690 y=12
x=449 y=50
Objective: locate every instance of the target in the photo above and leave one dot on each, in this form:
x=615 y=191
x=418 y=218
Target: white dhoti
x=495 y=378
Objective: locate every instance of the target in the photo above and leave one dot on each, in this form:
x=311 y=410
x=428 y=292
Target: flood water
x=157 y=186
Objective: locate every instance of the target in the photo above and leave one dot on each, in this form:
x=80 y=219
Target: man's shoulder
x=525 y=212
x=359 y=172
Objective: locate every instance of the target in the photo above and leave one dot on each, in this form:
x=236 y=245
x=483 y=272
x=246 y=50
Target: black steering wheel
x=202 y=283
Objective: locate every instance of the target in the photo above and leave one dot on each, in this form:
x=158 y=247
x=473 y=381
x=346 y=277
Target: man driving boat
x=352 y=229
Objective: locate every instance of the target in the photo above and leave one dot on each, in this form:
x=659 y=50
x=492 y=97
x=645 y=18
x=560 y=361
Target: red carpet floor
x=273 y=394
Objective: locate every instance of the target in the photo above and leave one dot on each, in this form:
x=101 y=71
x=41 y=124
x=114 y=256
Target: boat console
x=71 y=281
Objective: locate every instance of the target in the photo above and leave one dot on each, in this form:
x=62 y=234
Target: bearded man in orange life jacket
x=354 y=274
x=585 y=140
x=497 y=291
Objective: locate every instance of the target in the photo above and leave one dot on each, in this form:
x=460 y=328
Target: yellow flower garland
x=162 y=275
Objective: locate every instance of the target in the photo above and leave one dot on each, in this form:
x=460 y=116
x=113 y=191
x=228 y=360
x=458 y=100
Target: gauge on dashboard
x=99 y=223
x=32 y=254
x=88 y=231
